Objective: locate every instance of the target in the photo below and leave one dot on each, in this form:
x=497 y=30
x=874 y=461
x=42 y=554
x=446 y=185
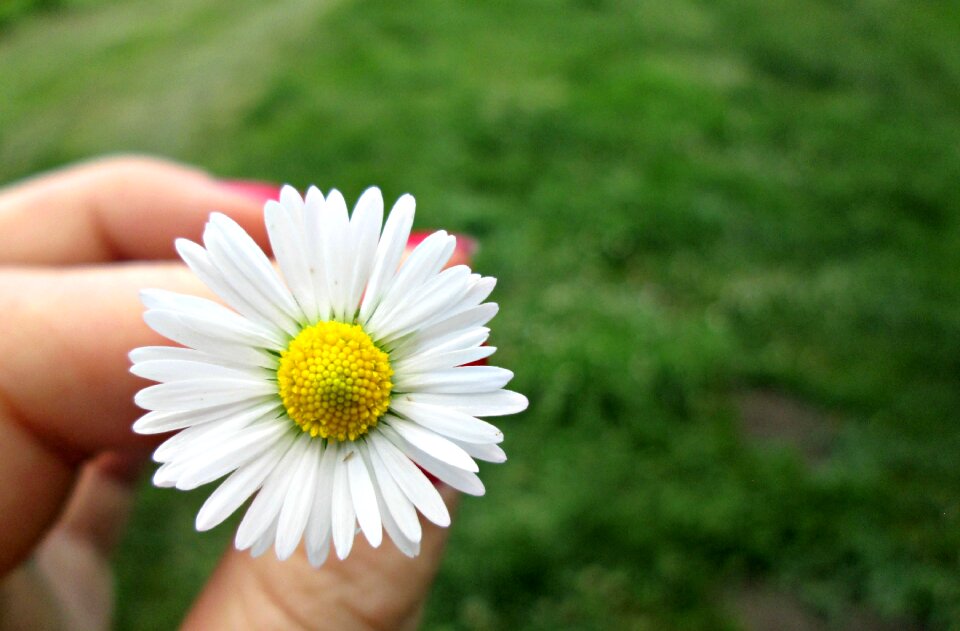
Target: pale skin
x=76 y=246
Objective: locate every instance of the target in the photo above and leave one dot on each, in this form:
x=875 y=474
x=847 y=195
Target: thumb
x=372 y=589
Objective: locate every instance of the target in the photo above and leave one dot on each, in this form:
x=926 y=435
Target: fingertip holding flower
x=331 y=391
x=258 y=191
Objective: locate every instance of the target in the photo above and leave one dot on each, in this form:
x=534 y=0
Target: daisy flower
x=325 y=395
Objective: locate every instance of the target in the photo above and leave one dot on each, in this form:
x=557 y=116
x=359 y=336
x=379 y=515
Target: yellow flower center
x=334 y=382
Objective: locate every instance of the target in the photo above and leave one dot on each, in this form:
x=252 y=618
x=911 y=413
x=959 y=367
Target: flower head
x=326 y=394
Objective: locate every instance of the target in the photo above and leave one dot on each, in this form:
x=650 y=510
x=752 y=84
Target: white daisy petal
x=455 y=425
x=395 y=507
x=409 y=547
x=317 y=554
x=286 y=240
x=459 y=298
x=428 y=303
x=165 y=370
x=480 y=289
x=365 y=232
x=434 y=360
x=237 y=488
x=248 y=257
x=199 y=261
x=335 y=234
x=299 y=501
x=229 y=455
x=392 y=243
x=290 y=199
x=190 y=448
x=313 y=235
x=470 y=300
x=343 y=517
x=458 y=341
x=488 y=452
x=465 y=340
x=157 y=353
x=215 y=317
x=425 y=261
x=263 y=543
x=444 y=288
x=195 y=438
x=220 y=329
x=160 y=422
x=406 y=538
x=446 y=330
x=431 y=443
x=477 y=290
x=319 y=525
x=498 y=403
x=172 y=325
x=364 y=497
x=199 y=394
x=410 y=479
x=246 y=268
x=265 y=507
x=464 y=379
x=162 y=477
x=328 y=388
x=175 y=353
x=464 y=481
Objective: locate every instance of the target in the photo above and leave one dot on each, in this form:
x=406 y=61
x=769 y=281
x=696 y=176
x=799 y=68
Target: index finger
x=117 y=208
x=65 y=394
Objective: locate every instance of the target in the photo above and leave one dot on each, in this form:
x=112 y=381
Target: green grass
x=682 y=201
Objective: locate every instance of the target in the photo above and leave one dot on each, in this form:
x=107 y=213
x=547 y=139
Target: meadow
x=727 y=237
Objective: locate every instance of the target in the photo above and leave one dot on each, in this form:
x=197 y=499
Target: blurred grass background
x=728 y=243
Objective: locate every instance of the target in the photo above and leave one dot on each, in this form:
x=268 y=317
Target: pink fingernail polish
x=466 y=245
x=259 y=191
x=417 y=237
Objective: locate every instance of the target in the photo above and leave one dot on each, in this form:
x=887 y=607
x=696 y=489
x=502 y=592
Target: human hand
x=76 y=246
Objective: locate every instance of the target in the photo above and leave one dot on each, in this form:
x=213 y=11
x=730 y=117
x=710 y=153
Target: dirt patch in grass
x=760 y=607
x=774 y=418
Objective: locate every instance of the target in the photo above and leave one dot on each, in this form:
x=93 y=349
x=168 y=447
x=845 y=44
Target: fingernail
x=259 y=191
x=466 y=245
x=417 y=237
